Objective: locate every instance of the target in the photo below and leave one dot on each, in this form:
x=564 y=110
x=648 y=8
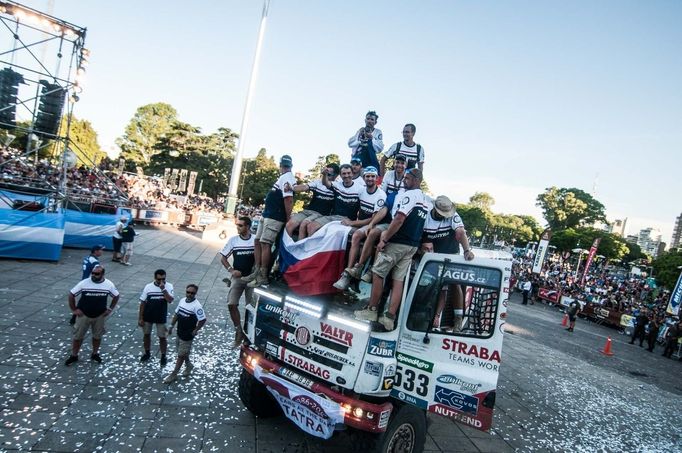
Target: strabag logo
x=454 y=380
x=415 y=362
x=307 y=366
x=461 y=347
x=381 y=348
x=336 y=333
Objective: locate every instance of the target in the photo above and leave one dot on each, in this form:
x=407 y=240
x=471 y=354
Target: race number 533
x=410 y=381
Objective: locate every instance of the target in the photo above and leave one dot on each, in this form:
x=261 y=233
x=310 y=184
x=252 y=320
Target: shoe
x=366 y=314
x=145 y=357
x=355 y=271
x=344 y=282
x=71 y=359
x=238 y=339
x=355 y=286
x=260 y=280
x=126 y=264
x=96 y=358
x=570 y=329
x=170 y=378
x=227 y=281
x=457 y=323
x=163 y=361
x=188 y=370
x=252 y=276
x=367 y=277
x=388 y=321
x=72 y=321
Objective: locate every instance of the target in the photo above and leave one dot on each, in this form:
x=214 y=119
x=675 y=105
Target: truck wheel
x=406 y=433
x=256 y=397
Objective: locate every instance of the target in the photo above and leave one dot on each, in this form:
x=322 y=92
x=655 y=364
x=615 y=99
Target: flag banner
x=166 y=175
x=192 y=182
x=173 y=182
x=675 y=298
x=121 y=165
x=590 y=257
x=183 y=180
x=312 y=265
x=542 y=251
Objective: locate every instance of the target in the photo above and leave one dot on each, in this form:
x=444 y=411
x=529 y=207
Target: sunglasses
x=96 y=274
x=191 y=293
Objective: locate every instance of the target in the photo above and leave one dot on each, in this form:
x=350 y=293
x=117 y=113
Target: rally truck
x=309 y=358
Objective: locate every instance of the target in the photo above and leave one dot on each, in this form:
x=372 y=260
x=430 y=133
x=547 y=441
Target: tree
x=612 y=246
x=150 y=123
x=666 y=270
x=476 y=220
x=568 y=208
x=322 y=161
x=482 y=200
x=83 y=141
x=258 y=176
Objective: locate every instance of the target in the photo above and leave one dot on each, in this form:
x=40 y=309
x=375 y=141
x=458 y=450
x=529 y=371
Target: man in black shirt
x=153 y=311
x=321 y=204
x=641 y=321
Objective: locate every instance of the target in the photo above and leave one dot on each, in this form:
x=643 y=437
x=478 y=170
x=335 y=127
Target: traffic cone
x=564 y=323
x=607 y=347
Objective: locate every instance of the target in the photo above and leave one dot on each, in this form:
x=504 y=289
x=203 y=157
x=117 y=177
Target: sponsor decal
x=415 y=362
x=412 y=343
x=271 y=348
x=373 y=368
x=389 y=371
x=340 y=380
x=461 y=402
x=446 y=411
x=306 y=419
x=381 y=348
x=297 y=378
x=304 y=365
x=302 y=335
x=331 y=355
x=284 y=315
x=336 y=333
x=388 y=384
x=482 y=276
x=383 y=419
x=471 y=387
x=258 y=331
x=409 y=399
x=461 y=347
x=311 y=404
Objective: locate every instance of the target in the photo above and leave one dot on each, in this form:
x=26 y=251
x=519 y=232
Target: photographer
x=367 y=141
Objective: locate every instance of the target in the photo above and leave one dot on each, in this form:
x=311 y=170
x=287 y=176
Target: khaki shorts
x=322 y=221
x=184 y=347
x=268 y=229
x=127 y=248
x=382 y=226
x=83 y=323
x=306 y=214
x=237 y=288
x=161 y=330
x=396 y=257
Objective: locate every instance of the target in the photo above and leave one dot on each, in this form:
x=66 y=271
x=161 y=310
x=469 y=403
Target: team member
x=346 y=199
x=190 y=317
x=356 y=170
x=240 y=248
x=641 y=321
x=393 y=179
x=278 y=204
x=414 y=152
x=116 y=238
x=572 y=311
x=443 y=233
x=127 y=237
x=153 y=312
x=91 y=311
x=396 y=247
x=89 y=263
x=321 y=204
x=367 y=141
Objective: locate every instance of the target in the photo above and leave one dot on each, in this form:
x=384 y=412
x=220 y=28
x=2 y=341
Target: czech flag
x=312 y=265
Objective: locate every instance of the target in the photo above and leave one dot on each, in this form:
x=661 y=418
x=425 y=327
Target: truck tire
x=406 y=433
x=256 y=397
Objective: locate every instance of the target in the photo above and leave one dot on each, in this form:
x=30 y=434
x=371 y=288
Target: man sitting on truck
x=321 y=204
x=397 y=246
x=278 y=204
x=443 y=233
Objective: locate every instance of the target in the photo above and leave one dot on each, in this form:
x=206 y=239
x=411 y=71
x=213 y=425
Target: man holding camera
x=367 y=141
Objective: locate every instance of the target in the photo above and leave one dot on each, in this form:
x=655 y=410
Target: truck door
x=451 y=369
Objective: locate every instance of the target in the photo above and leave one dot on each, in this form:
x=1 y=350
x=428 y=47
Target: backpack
x=397 y=150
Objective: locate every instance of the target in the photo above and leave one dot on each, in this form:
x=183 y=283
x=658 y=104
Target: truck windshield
x=457 y=299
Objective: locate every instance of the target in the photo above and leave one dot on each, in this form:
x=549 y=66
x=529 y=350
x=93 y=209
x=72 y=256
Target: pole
x=237 y=164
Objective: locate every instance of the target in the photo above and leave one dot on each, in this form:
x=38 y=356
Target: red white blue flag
x=312 y=265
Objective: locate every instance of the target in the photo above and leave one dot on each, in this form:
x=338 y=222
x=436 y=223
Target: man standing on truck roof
x=367 y=141
x=408 y=147
x=240 y=247
x=278 y=204
x=397 y=246
x=321 y=204
x=443 y=233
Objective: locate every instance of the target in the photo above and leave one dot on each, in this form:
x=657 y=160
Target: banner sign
x=173 y=183
x=166 y=175
x=183 y=180
x=121 y=165
x=551 y=295
x=590 y=257
x=675 y=298
x=192 y=182
x=541 y=251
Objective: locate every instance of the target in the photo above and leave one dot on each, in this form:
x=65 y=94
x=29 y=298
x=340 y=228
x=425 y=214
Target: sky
x=508 y=97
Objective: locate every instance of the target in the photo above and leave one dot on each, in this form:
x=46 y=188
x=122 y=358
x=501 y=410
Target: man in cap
x=367 y=142
x=356 y=170
x=397 y=246
x=321 y=204
x=414 y=152
x=278 y=204
x=118 y=238
x=89 y=263
x=443 y=233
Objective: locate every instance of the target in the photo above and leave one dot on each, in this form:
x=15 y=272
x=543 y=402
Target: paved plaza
x=556 y=392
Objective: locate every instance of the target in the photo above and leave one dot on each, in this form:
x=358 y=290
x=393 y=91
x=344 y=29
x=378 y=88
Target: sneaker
x=71 y=359
x=260 y=280
x=145 y=357
x=355 y=271
x=238 y=339
x=96 y=358
x=163 y=360
x=170 y=378
x=344 y=282
x=126 y=264
x=188 y=370
x=252 y=276
x=367 y=277
x=366 y=314
x=72 y=321
x=388 y=321
x=457 y=323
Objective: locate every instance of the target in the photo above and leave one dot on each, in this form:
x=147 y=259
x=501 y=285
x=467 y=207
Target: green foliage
x=84 y=141
x=569 y=208
x=148 y=126
x=612 y=246
x=666 y=270
x=258 y=176
x=476 y=220
x=322 y=161
x=482 y=200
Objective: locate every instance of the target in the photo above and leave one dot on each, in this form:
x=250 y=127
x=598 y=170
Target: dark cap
x=286 y=161
x=356 y=160
x=97 y=247
x=401 y=157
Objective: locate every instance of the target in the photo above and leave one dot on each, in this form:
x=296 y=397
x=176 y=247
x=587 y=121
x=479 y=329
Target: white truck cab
x=309 y=358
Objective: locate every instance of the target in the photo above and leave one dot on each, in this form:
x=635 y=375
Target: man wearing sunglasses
x=153 y=311
x=91 y=311
x=240 y=248
x=190 y=317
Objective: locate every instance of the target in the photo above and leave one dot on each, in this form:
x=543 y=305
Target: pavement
x=556 y=391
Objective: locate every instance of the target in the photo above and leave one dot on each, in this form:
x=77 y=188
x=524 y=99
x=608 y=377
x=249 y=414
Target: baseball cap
x=370 y=171
x=444 y=206
x=286 y=161
x=401 y=157
x=356 y=160
x=97 y=247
